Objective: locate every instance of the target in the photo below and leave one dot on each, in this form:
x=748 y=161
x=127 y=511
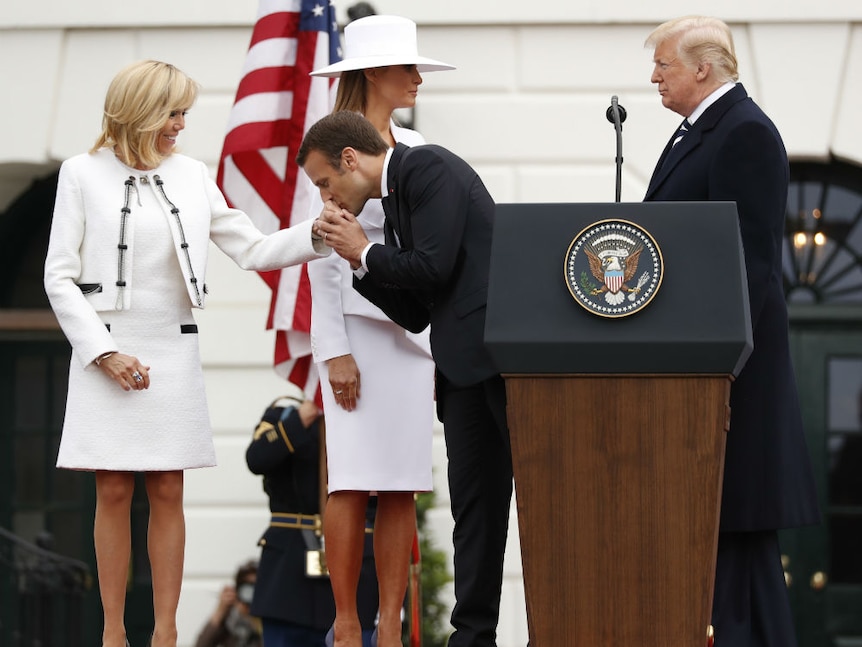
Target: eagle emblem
x=602 y=268
x=614 y=261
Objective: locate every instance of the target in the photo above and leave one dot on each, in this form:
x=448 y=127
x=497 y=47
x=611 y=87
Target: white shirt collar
x=384 y=187
x=712 y=98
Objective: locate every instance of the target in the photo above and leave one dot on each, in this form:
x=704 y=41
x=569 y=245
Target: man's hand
x=343 y=233
x=226 y=600
x=308 y=413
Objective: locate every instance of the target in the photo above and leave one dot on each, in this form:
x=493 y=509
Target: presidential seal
x=613 y=268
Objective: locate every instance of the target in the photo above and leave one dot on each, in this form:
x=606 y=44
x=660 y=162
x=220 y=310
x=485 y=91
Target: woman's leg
x=112 y=536
x=394 y=529
x=166 y=539
x=344 y=536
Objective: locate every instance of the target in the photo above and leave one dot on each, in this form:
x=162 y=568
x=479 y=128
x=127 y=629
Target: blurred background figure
x=293 y=596
x=360 y=10
x=231 y=624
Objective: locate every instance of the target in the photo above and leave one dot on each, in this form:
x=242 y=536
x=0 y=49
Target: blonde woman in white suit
x=126 y=266
x=377 y=379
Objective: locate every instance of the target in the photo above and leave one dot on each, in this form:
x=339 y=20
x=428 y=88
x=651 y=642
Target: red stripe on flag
x=257 y=136
x=284 y=24
x=260 y=174
x=273 y=280
x=266 y=79
x=302 y=308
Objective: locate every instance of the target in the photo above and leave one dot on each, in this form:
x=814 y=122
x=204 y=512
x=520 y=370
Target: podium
x=618 y=424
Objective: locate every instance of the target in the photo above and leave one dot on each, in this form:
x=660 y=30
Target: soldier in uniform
x=293 y=597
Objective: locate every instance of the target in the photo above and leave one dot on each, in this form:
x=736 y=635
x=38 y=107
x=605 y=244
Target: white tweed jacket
x=86 y=272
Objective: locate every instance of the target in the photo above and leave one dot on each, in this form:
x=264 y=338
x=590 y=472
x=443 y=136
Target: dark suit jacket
x=434 y=267
x=733 y=152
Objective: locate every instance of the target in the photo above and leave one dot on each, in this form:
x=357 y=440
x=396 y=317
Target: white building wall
x=526 y=107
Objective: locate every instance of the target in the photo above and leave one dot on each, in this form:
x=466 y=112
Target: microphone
x=616 y=114
x=616 y=109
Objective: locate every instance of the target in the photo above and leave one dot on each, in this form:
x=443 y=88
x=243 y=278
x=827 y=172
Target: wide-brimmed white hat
x=378 y=41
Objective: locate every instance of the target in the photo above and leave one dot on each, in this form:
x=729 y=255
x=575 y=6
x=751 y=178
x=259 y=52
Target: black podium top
x=697 y=322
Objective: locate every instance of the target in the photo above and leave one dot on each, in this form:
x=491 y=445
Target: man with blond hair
x=727 y=149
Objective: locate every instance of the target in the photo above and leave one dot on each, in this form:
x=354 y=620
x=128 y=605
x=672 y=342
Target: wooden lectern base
x=618 y=484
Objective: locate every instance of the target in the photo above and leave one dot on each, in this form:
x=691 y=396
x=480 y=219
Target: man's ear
x=349 y=158
x=703 y=70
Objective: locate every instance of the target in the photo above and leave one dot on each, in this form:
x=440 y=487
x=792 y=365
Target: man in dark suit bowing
x=432 y=269
x=727 y=149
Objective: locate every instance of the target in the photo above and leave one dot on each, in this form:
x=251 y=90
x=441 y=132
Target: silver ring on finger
x=339 y=392
x=137 y=377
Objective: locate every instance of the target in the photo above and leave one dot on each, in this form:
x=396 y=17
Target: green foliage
x=586 y=284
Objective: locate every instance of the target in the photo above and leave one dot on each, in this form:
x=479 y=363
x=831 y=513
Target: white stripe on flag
x=267 y=7
x=253 y=108
x=243 y=193
x=273 y=52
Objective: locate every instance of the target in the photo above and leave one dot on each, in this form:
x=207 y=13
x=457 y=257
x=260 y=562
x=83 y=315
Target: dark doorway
x=824 y=563
x=823 y=283
x=39 y=503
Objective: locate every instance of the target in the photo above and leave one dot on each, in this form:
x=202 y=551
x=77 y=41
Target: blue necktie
x=683 y=129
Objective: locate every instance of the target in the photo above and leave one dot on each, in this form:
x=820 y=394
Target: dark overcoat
x=733 y=152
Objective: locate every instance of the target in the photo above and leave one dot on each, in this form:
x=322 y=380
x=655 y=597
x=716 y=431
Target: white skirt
x=165 y=427
x=385 y=443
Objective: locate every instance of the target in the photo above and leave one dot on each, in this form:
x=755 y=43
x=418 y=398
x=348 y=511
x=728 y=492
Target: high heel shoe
x=329 y=639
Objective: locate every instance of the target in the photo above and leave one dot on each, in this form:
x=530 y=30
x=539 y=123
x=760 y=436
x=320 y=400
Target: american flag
x=276 y=102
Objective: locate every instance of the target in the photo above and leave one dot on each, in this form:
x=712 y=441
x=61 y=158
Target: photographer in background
x=231 y=624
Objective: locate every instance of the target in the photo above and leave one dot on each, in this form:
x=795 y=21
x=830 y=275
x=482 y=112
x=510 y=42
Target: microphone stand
x=616 y=114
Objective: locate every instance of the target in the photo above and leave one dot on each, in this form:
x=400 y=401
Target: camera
x=245 y=592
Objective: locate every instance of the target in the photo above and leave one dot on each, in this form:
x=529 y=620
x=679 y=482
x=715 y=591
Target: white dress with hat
x=385 y=443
